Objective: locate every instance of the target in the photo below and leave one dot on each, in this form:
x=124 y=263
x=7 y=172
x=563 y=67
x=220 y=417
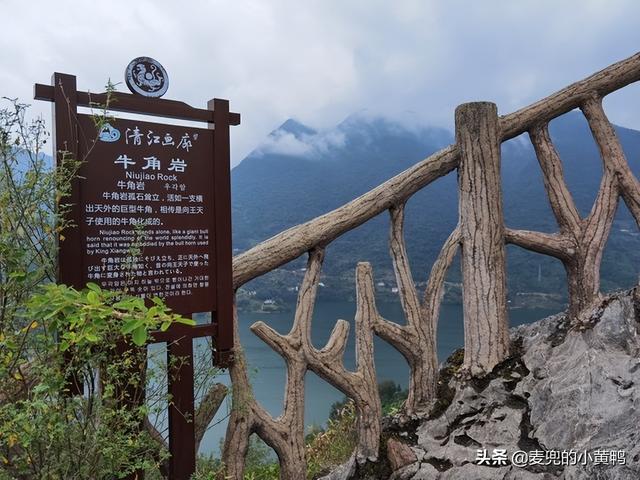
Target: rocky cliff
x=566 y=405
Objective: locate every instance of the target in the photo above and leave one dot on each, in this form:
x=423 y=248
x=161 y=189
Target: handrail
x=290 y=244
x=295 y=241
x=601 y=83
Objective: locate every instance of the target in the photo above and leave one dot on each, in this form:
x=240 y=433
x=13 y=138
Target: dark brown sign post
x=167 y=188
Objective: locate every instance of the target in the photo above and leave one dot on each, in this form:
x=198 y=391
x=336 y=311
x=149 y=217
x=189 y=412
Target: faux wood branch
x=285 y=434
x=580 y=243
x=562 y=204
x=584 y=239
x=361 y=385
x=416 y=340
x=612 y=154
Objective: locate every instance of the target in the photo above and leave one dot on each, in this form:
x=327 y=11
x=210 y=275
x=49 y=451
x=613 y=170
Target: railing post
x=486 y=329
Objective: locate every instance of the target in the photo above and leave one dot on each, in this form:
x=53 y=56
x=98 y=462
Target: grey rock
x=344 y=471
x=588 y=390
x=520 y=474
x=476 y=472
x=418 y=452
x=399 y=454
x=426 y=472
x=573 y=389
x=580 y=394
x=405 y=473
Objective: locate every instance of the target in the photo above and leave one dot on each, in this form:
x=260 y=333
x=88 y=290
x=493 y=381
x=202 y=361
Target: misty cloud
x=311 y=146
x=320 y=61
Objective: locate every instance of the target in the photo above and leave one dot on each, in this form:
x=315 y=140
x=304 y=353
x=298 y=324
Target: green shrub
x=329 y=448
x=259 y=464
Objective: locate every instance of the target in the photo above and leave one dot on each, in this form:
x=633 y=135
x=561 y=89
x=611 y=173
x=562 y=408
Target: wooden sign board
x=148 y=185
x=164 y=189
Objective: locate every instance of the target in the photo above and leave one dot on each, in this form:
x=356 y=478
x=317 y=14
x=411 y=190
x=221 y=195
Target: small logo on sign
x=145 y=76
x=109 y=133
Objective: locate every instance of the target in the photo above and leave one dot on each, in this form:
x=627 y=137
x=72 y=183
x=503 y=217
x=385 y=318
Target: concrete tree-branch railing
x=285 y=434
x=580 y=242
x=481 y=233
x=416 y=340
x=361 y=385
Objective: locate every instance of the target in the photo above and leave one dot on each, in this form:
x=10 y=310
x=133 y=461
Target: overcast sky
x=321 y=60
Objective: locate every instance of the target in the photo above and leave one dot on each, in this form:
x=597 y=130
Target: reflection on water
x=267 y=369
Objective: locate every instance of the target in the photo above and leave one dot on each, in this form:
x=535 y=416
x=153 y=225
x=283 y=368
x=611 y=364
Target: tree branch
x=432 y=293
x=612 y=154
x=404 y=278
x=556 y=245
x=561 y=200
x=207 y=409
x=280 y=343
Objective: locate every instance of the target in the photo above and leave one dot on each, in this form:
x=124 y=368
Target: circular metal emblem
x=145 y=76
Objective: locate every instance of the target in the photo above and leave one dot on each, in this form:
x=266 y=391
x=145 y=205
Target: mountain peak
x=295 y=128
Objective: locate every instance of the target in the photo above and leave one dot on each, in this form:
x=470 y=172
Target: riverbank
x=519 y=300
